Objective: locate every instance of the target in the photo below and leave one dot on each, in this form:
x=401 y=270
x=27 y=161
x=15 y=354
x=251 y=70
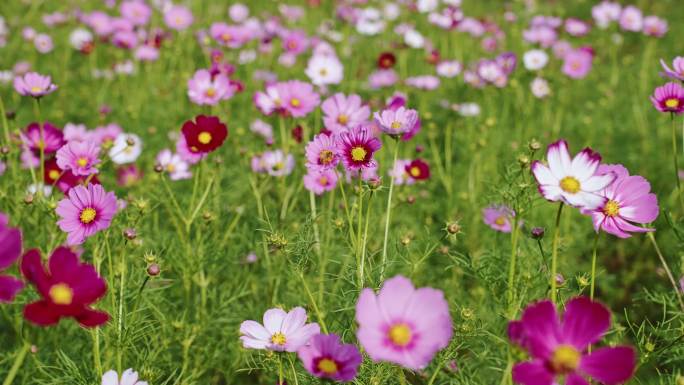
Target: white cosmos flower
x=128 y=377
x=126 y=148
x=414 y=39
x=324 y=69
x=449 y=68
x=174 y=165
x=571 y=180
x=540 y=87
x=535 y=59
x=425 y=6
x=80 y=37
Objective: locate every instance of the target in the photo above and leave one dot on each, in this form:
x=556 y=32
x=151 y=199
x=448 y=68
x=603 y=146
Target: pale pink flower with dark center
x=498 y=218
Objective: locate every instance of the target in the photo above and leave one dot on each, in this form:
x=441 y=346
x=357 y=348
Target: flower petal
x=584 y=322
x=610 y=365
x=532 y=373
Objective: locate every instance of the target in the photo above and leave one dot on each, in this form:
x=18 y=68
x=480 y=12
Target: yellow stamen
x=278 y=339
x=323 y=181
x=400 y=334
x=226 y=36
x=395 y=125
x=61 y=294
x=612 y=208
x=295 y=102
x=170 y=167
x=570 y=184
x=565 y=359
x=672 y=103
x=358 y=154
x=342 y=119
x=204 y=137
x=88 y=215
x=500 y=221
x=36 y=89
x=53 y=174
x=327 y=366
x=415 y=171
x=210 y=92
x=82 y=162
x=326 y=157
x=323 y=72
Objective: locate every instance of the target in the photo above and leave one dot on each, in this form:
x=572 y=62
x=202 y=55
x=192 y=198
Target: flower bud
x=4 y=150
x=453 y=228
x=153 y=270
x=534 y=145
x=523 y=160
x=130 y=233
x=28 y=199
x=537 y=232
x=158 y=168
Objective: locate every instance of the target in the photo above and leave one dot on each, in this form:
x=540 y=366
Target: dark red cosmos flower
x=68 y=289
x=386 y=60
x=418 y=169
x=205 y=134
x=298 y=133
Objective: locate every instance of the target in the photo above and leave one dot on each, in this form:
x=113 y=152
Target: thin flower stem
x=593 y=265
x=676 y=163
x=346 y=210
x=280 y=369
x=314 y=217
x=363 y=245
x=5 y=125
x=41 y=142
x=359 y=219
x=179 y=212
x=554 y=252
x=199 y=204
x=319 y=315
x=511 y=269
x=663 y=261
x=18 y=361
x=96 y=351
x=387 y=216
x=294 y=373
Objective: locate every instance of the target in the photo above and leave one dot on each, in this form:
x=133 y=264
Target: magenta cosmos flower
x=628 y=200
x=559 y=348
x=280 y=332
x=85 y=211
x=68 y=289
x=402 y=324
x=34 y=84
x=341 y=112
x=298 y=98
x=571 y=180
x=322 y=152
x=677 y=70
x=357 y=148
x=81 y=158
x=206 y=89
x=396 y=122
x=498 y=218
x=10 y=239
x=327 y=357
x=669 y=98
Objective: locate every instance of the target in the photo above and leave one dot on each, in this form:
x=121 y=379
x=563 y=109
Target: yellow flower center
x=415 y=171
x=565 y=359
x=570 y=184
x=323 y=181
x=204 y=137
x=53 y=174
x=612 y=208
x=500 y=221
x=292 y=45
x=672 y=103
x=295 y=102
x=278 y=339
x=88 y=215
x=226 y=36
x=342 y=119
x=210 y=92
x=400 y=334
x=82 y=162
x=395 y=125
x=358 y=154
x=323 y=71
x=326 y=157
x=61 y=294
x=327 y=366
x=36 y=89
x=170 y=167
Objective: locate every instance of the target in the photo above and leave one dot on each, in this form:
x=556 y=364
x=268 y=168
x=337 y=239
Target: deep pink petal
x=542 y=328
x=610 y=365
x=9 y=287
x=92 y=318
x=41 y=313
x=584 y=322
x=575 y=379
x=10 y=239
x=532 y=373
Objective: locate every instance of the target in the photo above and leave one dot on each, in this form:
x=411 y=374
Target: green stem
x=676 y=163
x=593 y=265
x=319 y=315
x=554 y=252
x=5 y=125
x=317 y=238
x=358 y=231
x=667 y=269
x=294 y=373
x=363 y=244
x=387 y=216
x=41 y=142
x=280 y=369
x=511 y=269
x=18 y=361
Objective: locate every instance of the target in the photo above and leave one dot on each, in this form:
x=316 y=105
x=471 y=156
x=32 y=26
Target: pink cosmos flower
x=341 y=112
x=669 y=98
x=185 y=153
x=280 y=332
x=399 y=173
x=34 y=84
x=606 y=12
x=628 y=200
x=85 y=211
x=357 y=147
x=327 y=357
x=298 y=98
x=106 y=135
x=396 y=122
x=76 y=132
x=677 y=70
x=81 y=158
x=173 y=164
x=322 y=152
x=203 y=89
x=269 y=101
x=397 y=101
x=576 y=27
x=10 y=239
x=402 y=324
x=276 y=163
x=383 y=78
x=424 y=82
x=295 y=42
x=238 y=12
x=577 y=63
x=319 y=181
x=146 y=52
x=135 y=11
x=558 y=348
x=100 y=22
x=571 y=180
x=655 y=26
x=231 y=36
x=631 y=19
x=43 y=43
x=128 y=377
x=178 y=17
x=498 y=218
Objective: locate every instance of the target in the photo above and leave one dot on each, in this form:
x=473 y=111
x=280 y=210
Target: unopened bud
x=130 y=233
x=453 y=228
x=4 y=150
x=158 y=168
x=534 y=145
x=537 y=232
x=523 y=160
x=28 y=199
x=410 y=199
x=130 y=141
x=153 y=270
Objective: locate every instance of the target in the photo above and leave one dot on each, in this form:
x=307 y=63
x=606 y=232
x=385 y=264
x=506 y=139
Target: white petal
x=559 y=159
x=110 y=378
x=585 y=164
x=597 y=182
x=543 y=174
x=273 y=320
x=584 y=200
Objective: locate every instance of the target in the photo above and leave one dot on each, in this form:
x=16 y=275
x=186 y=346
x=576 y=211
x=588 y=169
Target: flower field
x=412 y=192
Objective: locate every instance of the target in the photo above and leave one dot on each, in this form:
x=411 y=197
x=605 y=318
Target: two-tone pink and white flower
x=571 y=180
